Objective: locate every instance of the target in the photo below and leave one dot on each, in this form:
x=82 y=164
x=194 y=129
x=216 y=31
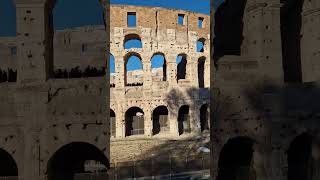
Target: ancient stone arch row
x=133 y=40
x=249 y=157
x=181 y=70
x=162 y=119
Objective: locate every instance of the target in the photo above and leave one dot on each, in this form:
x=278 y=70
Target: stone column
x=120 y=73
x=147 y=72
x=173 y=121
x=171 y=70
x=148 y=125
x=194 y=119
x=119 y=124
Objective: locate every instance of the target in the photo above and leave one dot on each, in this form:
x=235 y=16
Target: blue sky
x=89 y=12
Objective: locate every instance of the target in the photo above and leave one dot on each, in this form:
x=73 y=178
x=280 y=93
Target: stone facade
x=48 y=124
x=160 y=34
x=265 y=90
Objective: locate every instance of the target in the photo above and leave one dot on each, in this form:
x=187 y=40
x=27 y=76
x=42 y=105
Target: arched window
x=290 y=23
x=76 y=26
x=200 y=45
x=8 y=46
x=132 y=41
x=235 y=160
x=113 y=123
x=133 y=70
x=134 y=121
x=228 y=28
x=160 y=120
x=159 y=67
x=201 y=71
x=69 y=162
x=8 y=166
x=8 y=18
x=184 y=120
x=204 y=117
x=181 y=66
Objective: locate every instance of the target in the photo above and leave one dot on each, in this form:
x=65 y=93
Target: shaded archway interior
x=204 y=117
x=8 y=166
x=300 y=162
x=235 y=160
x=184 y=120
x=182 y=67
x=70 y=160
x=160 y=120
x=201 y=69
x=134 y=120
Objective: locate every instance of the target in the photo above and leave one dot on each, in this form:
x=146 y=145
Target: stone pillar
x=207 y=73
x=35 y=55
x=147 y=72
x=119 y=125
x=173 y=121
x=310 y=42
x=148 y=125
x=263 y=37
x=171 y=70
x=120 y=73
x=195 y=119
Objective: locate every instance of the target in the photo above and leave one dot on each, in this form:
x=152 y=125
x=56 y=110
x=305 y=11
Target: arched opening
x=159 y=67
x=160 y=120
x=132 y=41
x=70 y=32
x=200 y=45
x=134 y=119
x=201 y=68
x=184 y=120
x=181 y=66
x=8 y=18
x=8 y=44
x=113 y=123
x=112 y=67
x=133 y=70
x=204 y=117
x=290 y=24
x=8 y=166
x=228 y=28
x=75 y=160
x=300 y=158
x=235 y=160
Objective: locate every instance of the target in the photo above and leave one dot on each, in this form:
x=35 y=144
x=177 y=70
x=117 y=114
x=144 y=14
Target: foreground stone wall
x=43 y=118
x=259 y=108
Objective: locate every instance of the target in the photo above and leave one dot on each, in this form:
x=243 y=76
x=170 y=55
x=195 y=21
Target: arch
x=201 y=44
x=133 y=64
x=299 y=158
x=201 y=71
x=70 y=159
x=134 y=121
x=184 y=120
x=158 y=60
x=8 y=18
x=160 y=120
x=8 y=166
x=181 y=66
x=290 y=25
x=112 y=123
x=132 y=41
x=62 y=14
x=204 y=117
x=235 y=160
x=228 y=28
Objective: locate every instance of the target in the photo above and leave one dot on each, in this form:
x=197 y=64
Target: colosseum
x=165 y=100
x=265 y=84
x=55 y=91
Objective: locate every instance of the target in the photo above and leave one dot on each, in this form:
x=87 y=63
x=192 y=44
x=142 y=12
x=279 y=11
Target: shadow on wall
x=264 y=110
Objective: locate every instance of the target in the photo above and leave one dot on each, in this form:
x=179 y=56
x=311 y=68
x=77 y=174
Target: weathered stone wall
x=159 y=33
x=41 y=115
x=253 y=101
